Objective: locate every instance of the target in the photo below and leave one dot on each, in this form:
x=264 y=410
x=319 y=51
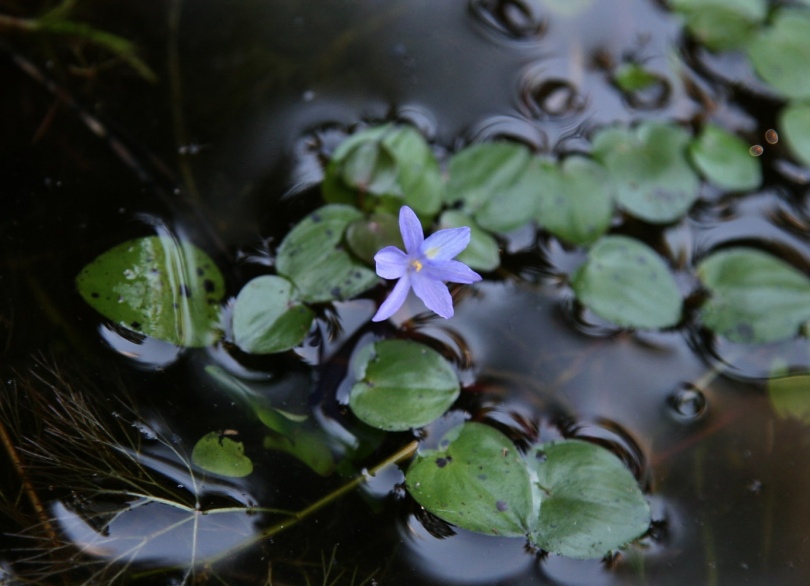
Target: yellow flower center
x=416 y=265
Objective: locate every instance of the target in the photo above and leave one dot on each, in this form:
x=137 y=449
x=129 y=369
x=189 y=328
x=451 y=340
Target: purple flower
x=425 y=265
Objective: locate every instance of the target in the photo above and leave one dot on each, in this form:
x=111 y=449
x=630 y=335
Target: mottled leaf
x=156 y=286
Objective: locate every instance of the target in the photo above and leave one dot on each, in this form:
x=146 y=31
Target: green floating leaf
x=401 y=385
x=483 y=252
x=156 y=286
x=626 y=282
x=311 y=257
x=754 y=296
x=386 y=167
x=367 y=236
x=420 y=177
x=648 y=167
x=575 y=202
x=723 y=159
x=590 y=502
x=267 y=316
x=221 y=455
x=632 y=77
x=310 y=446
x=476 y=480
x=780 y=53
x=359 y=154
x=722 y=24
x=497 y=184
x=794 y=125
x=790 y=396
x=512 y=206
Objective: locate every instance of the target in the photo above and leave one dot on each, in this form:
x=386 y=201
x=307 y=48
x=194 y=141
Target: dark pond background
x=225 y=147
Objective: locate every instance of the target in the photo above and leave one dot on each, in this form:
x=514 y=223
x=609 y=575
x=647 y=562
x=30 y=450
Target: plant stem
x=402 y=454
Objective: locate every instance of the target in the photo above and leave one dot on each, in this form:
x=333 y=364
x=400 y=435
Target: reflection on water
x=268 y=91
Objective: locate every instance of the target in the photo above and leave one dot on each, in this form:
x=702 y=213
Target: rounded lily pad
x=780 y=53
x=512 y=206
x=649 y=169
x=575 y=202
x=401 y=385
x=754 y=296
x=626 y=282
x=483 y=252
x=221 y=455
x=590 y=503
x=476 y=480
x=794 y=124
x=359 y=151
x=723 y=159
x=722 y=24
x=385 y=167
x=312 y=258
x=159 y=287
x=419 y=179
x=490 y=180
x=267 y=316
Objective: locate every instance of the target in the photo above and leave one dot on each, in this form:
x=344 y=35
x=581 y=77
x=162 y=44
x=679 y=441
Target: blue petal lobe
x=411 y=229
x=445 y=244
x=451 y=270
x=434 y=294
x=395 y=299
x=391 y=262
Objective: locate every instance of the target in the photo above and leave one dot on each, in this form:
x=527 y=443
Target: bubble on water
x=652 y=96
x=420 y=118
x=687 y=403
x=509 y=128
x=756 y=150
x=516 y=19
x=543 y=97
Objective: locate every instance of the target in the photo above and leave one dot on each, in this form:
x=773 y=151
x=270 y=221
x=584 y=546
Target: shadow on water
x=226 y=148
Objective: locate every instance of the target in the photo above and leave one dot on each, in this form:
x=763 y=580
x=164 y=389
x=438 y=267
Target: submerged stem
x=400 y=455
x=27 y=486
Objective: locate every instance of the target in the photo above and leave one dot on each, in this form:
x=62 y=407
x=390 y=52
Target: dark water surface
x=224 y=149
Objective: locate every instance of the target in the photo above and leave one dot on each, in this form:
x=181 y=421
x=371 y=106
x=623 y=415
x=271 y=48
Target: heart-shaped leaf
x=575 y=202
x=723 y=159
x=312 y=257
x=794 y=124
x=590 y=503
x=268 y=318
x=722 y=24
x=754 y=296
x=780 y=53
x=221 y=455
x=401 y=384
x=490 y=180
x=476 y=480
x=626 y=282
x=157 y=286
x=649 y=169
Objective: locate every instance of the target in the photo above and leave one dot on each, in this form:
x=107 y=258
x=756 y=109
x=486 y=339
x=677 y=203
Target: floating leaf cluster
x=569 y=497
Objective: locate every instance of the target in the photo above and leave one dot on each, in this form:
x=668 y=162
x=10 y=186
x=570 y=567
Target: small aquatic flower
x=425 y=265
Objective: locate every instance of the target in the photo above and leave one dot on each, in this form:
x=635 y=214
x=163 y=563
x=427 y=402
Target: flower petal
x=411 y=229
x=391 y=262
x=450 y=270
x=445 y=244
x=434 y=294
x=395 y=299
